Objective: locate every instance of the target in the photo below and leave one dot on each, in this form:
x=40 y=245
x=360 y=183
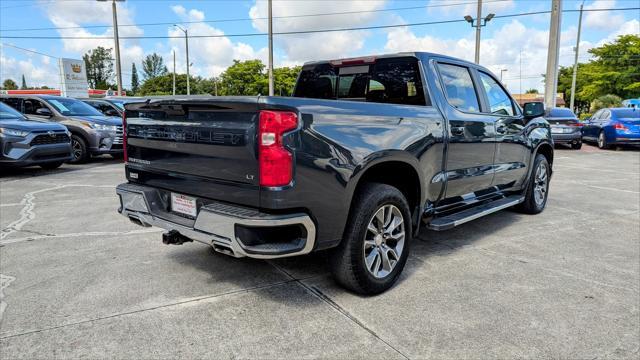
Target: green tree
x=99 y=67
x=153 y=66
x=205 y=86
x=135 y=84
x=9 y=84
x=532 y=91
x=244 y=78
x=163 y=85
x=605 y=101
x=615 y=69
x=24 y=83
x=284 y=80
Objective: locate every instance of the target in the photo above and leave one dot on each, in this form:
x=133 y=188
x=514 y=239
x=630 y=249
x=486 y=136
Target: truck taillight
x=124 y=137
x=275 y=161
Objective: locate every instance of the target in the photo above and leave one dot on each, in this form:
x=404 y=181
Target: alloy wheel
x=541 y=185
x=384 y=241
x=77 y=149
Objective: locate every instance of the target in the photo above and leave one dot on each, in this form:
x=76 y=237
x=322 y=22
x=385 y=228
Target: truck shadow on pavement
x=426 y=245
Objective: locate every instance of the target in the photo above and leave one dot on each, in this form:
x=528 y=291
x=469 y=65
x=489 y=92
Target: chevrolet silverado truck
x=365 y=153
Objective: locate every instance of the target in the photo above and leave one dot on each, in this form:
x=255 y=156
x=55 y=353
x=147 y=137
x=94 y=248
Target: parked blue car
x=614 y=126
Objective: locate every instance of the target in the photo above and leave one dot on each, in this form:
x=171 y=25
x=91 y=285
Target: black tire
x=530 y=205
x=117 y=156
x=602 y=141
x=347 y=261
x=51 y=165
x=78 y=150
x=576 y=146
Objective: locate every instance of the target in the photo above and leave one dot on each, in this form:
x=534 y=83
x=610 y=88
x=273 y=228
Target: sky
x=517 y=45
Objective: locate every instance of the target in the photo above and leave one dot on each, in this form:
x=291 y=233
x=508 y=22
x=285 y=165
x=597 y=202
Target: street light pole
x=551 y=76
x=478 y=23
x=186 y=45
x=575 y=61
x=478 y=27
x=270 y=48
x=117 y=45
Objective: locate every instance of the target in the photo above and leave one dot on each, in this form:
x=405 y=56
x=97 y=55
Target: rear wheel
x=602 y=141
x=537 y=190
x=51 y=166
x=376 y=243
x=78 y=150
x=576 y=146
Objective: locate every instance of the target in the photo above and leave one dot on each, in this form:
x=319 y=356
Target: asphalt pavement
x=78 y=280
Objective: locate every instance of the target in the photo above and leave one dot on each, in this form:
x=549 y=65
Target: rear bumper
x=222 y=226
x=567 y=138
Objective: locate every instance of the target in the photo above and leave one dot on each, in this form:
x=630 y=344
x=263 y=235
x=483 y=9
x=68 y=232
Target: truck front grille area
x=47 y=139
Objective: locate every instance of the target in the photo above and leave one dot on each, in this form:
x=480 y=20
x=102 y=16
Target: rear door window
x=459 y=87
x=395 y=81
x=14 y=103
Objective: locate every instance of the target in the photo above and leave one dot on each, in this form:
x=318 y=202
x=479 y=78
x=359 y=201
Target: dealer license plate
x=184 y=204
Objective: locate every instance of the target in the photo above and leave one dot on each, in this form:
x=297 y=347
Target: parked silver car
x=92 y=133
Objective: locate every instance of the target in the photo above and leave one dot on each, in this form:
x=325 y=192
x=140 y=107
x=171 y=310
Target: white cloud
x=210 y=56
x=35 y=74
x=69 y=17
x=304 y=47
x=470 y=8
x=602 y=20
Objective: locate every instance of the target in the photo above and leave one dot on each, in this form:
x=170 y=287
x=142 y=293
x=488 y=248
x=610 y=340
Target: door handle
x=457 y=130
x=501 y=129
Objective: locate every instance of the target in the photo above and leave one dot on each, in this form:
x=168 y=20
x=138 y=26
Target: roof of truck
x=399 y=54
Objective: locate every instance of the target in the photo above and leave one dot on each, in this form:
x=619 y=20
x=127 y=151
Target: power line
x=299 y=31
x=252 y=19
x=29 y=50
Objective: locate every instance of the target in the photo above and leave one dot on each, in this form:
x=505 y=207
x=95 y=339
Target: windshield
x=629 y=113
x=9 y=113
x=562 y=113
x=73 y=107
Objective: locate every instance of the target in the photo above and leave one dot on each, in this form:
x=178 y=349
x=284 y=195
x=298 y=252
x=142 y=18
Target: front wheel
x=79 y=150
x=376 y=242
x=537 y=189
x=576 y=146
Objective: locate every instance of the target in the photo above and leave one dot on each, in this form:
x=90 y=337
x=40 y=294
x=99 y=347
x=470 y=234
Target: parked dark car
x=111 y=106
x=25 y=142
x=91 y=132
x=366 y=152
x=613 y=126
x=566 y=128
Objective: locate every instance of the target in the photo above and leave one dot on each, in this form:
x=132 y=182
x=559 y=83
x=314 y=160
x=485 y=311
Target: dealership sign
x=73 y=78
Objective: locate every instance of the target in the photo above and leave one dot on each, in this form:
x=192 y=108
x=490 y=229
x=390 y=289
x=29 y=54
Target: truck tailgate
x=209 y=141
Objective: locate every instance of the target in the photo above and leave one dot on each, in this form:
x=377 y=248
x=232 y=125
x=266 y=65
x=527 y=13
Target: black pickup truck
x=366 y=152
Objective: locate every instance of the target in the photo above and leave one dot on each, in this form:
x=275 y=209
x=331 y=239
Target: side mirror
x=533 y=110
x=111 y=112
x=44 y=112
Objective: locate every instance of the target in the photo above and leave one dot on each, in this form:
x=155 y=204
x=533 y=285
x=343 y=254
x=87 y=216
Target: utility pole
x=117 y=44
x=478 y=27
x=270 y=48
x=186 y=45
x=551 y=77
x=174 y=73
x=575 y=61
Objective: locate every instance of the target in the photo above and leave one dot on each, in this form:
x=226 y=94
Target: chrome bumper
x=215 y=223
